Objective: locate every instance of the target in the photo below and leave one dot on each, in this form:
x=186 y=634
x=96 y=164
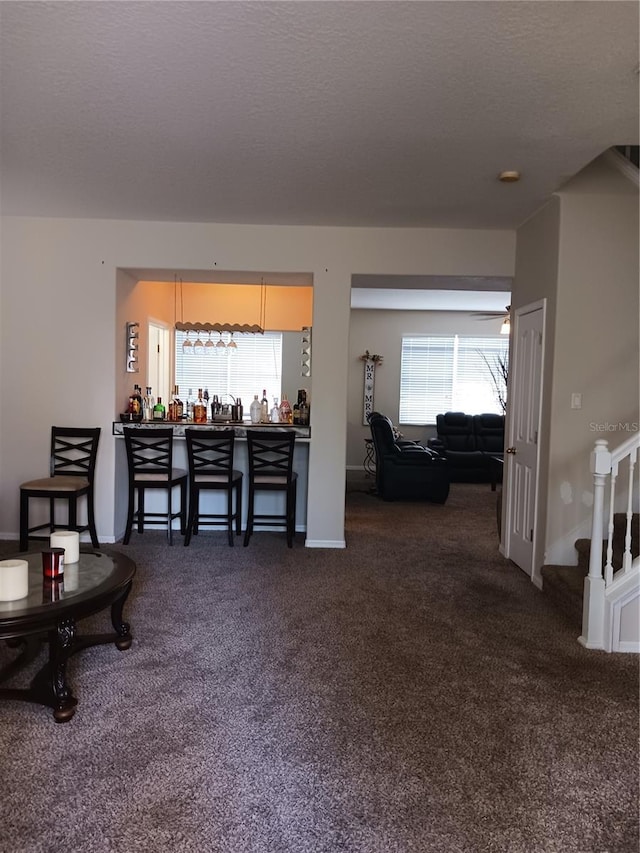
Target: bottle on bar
x=178 y=408
x=254 y=410
x=159 y=411
x=147 y=404
x=199 y=409
x=136 y=410
x=286 y=415
x=264 y=408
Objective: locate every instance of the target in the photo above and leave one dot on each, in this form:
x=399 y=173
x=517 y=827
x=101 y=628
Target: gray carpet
x=413 y=692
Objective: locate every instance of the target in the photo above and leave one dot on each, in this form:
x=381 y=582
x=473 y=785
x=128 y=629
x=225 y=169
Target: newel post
x=594 y=586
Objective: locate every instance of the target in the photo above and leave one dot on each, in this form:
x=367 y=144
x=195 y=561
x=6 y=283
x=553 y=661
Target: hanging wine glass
x=221 y=347
x=187 y=346
x=209 y=346
x=198 y=347
x=232 y=346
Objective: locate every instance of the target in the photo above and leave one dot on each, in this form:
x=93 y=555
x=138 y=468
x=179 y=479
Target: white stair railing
x=606 y=466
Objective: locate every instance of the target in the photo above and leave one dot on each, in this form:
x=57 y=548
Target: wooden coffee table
x=50 y=613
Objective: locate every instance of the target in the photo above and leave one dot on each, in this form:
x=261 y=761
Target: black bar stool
x=271 y=470
x=72 y=466
x=150 y=462
x=210 y=455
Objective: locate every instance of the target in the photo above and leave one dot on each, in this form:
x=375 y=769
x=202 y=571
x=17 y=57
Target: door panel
x=522 y=451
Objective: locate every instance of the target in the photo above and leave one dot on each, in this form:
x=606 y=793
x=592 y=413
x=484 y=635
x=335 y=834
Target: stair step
x=564 y=585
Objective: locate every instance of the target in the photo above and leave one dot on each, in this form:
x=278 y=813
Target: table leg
x=121 y=627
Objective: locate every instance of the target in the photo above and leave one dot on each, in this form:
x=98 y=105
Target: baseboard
x=325 y=543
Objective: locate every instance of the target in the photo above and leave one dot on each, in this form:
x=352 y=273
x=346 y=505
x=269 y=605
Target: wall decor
x=133 y=334
x=370 y=364
x=305 y=352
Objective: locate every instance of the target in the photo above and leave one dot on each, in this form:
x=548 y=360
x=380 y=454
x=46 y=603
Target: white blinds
x=255 y=365
x=441 y=373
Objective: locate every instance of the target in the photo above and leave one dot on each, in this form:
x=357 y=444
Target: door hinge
x=158 y=347
x=531 y=536
x=535 y=437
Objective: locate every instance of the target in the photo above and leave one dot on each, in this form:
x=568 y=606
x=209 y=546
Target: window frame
x=448 y=362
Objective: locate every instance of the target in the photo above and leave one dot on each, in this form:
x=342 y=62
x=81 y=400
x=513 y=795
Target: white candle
x=70 y=541
x=14 y=579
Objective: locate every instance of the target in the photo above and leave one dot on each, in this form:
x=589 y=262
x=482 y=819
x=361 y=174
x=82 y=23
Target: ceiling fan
x=505 y=316
x=492 y=315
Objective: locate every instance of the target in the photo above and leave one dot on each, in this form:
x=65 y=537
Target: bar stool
x=210 y=455
x=71 y=472
x=150 y=463
x=271 y=470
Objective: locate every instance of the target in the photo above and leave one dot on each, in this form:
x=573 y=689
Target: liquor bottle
x=189 y=405
x=264 y=408
x=178 y=408
x=286 y=415
x=275 y=412
x=296 y=413
x=304 y=413
x=147 y=404
x=254 y=410
x=199 y=409
x=136 y=412
x=159 y=410
x=205 y=397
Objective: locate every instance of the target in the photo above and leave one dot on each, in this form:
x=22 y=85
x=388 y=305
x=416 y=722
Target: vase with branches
x=498 y=366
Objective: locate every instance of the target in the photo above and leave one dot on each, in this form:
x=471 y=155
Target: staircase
x=564 y=585
x=602 y=593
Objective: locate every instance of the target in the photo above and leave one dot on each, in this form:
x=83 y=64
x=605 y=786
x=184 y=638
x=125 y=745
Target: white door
x=158 y=361
x=521 y=453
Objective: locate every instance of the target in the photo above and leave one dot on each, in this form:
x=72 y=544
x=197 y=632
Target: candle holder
x=53 y=563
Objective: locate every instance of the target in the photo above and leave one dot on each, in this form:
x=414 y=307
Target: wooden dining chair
x=150 y=466
x=210 y=457
x=271 y=470
x=72 y=465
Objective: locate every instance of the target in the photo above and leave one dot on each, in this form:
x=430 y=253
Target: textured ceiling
x=330 y=113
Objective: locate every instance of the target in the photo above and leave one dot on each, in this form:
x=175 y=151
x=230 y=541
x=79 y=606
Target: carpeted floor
x=413 y=692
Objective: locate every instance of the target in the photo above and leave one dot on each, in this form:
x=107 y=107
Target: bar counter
x=212 y=501
x=240 y=429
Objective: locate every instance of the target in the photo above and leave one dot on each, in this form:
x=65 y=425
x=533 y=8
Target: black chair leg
x=239 y=509
x=170 y=519
x=249 y=528
x=230 y=516
x=92 y=522
x=193 y=511
x=130 y=511
x=140 y=513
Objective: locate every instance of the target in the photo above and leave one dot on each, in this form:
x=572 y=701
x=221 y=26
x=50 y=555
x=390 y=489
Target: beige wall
x=58 y=279
x=580 y=252
x=596 y=350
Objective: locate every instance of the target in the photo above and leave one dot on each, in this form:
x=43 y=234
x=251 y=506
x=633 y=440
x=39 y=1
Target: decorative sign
x=369 y=384
x=370 y=362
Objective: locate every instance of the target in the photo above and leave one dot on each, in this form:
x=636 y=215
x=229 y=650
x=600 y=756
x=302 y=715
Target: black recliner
x=405 y=470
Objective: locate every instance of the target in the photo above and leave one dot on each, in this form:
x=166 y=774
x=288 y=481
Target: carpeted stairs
x=563 y=585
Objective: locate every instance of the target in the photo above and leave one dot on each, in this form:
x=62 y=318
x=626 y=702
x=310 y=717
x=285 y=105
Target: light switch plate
x=576 y=401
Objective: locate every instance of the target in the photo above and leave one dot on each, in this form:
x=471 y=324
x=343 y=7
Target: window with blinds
x=442 y=373
x=255 y=365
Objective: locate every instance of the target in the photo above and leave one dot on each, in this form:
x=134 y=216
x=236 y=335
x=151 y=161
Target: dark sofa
x=470 y=444
x=406 y=470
